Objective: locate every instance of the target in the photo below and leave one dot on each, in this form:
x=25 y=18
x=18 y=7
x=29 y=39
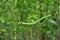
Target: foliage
x=29 y=19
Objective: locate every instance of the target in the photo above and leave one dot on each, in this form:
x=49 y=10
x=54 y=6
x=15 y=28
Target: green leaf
x=3 y=30
x=52 y=22
x=45 y=29
x=2 y=19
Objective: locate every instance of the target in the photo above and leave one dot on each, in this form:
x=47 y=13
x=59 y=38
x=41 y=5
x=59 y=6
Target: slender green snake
x=32 y=23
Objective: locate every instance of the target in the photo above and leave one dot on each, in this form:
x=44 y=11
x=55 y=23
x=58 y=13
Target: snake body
x=32 y=23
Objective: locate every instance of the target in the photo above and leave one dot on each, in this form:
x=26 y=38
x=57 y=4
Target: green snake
x=32 y=23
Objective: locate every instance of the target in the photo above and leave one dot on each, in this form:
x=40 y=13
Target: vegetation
x=29 y=19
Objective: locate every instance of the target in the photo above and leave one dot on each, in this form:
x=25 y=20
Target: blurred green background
x=14 y=13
